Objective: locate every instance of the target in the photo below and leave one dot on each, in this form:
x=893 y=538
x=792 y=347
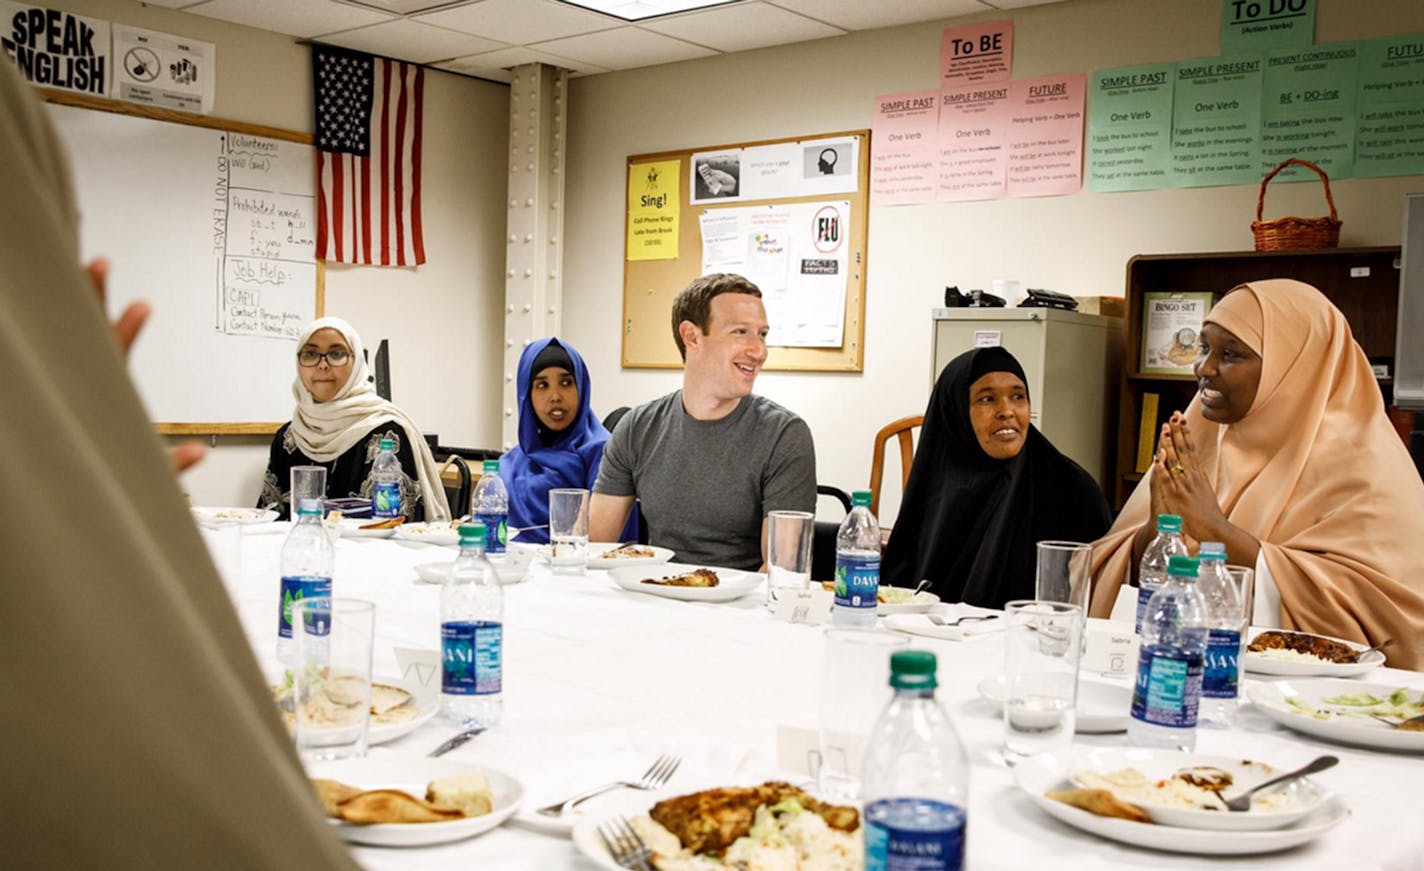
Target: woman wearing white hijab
x=339 y=422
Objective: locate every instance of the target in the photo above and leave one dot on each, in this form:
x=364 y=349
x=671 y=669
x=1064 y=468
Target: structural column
x=533 y=282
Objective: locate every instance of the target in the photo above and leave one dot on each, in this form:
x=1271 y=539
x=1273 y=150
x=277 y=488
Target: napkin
x=919 y=624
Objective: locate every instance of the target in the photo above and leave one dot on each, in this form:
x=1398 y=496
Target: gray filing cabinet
x=1072 y=361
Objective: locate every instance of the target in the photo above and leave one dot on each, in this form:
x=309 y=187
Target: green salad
x=1399 y=704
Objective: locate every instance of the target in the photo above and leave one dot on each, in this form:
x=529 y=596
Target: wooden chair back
x=903 y=431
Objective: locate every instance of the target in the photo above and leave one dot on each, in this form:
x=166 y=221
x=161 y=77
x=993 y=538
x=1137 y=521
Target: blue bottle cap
x=1212 y=550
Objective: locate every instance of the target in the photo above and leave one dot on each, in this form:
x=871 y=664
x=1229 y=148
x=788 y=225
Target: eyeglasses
x=334 y=357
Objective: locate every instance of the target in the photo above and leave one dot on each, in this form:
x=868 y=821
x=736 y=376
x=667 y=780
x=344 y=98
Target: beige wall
x=1078 y=244
x=445 y=319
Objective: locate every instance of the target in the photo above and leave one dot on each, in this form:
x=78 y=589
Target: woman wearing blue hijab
x=560 y=440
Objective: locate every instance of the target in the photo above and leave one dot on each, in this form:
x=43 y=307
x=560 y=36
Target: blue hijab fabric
x=532 y=468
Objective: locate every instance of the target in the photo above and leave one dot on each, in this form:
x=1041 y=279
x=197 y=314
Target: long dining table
x=599 y=681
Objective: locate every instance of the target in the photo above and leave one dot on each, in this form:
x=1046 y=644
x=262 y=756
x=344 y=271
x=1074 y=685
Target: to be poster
x=977 y=54
x=653 y=210
x=57 y=49
x=1130 y=129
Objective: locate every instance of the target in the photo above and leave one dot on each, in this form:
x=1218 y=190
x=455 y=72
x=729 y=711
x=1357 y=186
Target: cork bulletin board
x=649 y=286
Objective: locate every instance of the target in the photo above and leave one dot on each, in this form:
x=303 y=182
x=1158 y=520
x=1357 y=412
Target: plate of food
x=689 y=583
x=395 y=711
x=773 y=825
x=390 y=800
x=896 y=600
x=1189 y=790
x=512 y=567
x=364 y=527
x=240 y=516
x=430 y=533
x=1045 y=780
x=602 y=555
x=1345 y=711
x=1102 y=708
x=1299 y=654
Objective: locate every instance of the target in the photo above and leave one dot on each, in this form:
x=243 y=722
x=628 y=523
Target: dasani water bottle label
x=1219 y=674
x=857 y=580
x=471 y=657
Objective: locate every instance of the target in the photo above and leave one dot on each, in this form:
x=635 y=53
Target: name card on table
x=1111 y=651
x=420 y=671
x=812 y=607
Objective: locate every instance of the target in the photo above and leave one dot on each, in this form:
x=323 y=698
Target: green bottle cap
x=309 y=507
x=859 y=498
x=1182 y=566
x=472 y=533
x=1169 y=523
x=491 y=467
x=387 y=444
x=912 y=670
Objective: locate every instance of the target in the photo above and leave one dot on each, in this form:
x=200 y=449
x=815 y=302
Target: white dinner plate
x=511 y=568
x=381 y=733
x=596 y=559
x=350 y=527
x=411 y=774
x=1297 y=800
x=1311 y=694
x=240 y=516
x=733 y=584
x=430 y=533
x=1103 y=708
x=1040 y=774
x=923 y=601
x=1257 y=663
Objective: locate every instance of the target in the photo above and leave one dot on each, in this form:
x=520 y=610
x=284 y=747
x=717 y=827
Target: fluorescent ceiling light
x=637 y=10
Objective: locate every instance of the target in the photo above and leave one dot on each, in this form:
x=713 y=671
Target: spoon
x=920 y=587
x=1381 y=646
x=1413 y=724
x=1242 y=802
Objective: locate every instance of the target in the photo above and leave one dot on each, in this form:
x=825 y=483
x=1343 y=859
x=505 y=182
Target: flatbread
x=1100 y=802
x=393 y=806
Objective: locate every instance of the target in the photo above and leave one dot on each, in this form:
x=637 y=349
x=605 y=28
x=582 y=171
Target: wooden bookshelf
x=1362 y=282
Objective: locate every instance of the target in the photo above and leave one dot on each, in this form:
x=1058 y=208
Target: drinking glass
x=1042 y=645
x=788 y=552
x=308 y=482
x=855 y=688
x=568 y=530
x=331 y=692
x=1064 y=573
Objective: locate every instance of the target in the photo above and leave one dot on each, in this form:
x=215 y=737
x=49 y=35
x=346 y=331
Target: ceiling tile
x=410 y=40
x=625 y=48
x=520 y=21
x=304 y=19
x=736 y=28
x=497 y=61
x=403 y=7
x=865 y=15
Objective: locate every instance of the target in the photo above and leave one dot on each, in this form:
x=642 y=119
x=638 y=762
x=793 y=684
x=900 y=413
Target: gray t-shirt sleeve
x=790 y=482
x=615 y=471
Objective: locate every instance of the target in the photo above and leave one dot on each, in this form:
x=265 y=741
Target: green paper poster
x=1216 y=122
x=1262 y=25
x=1390 y=139
x=1308 y=111
x=1130 y=129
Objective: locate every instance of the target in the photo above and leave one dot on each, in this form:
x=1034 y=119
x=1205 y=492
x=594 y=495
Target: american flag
x=368 y=126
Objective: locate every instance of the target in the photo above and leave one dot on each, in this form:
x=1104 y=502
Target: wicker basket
x=1295 y=234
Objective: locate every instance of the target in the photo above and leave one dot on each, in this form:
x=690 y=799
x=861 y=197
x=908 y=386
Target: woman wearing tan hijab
x=1287 y=457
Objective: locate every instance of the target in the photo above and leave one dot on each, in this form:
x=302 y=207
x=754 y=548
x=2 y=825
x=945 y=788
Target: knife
x=457 y=740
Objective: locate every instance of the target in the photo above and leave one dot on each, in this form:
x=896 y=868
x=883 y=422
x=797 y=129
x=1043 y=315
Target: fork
x=1242 y=802
x=624 y=846
x=940 y=621
x=656 y=775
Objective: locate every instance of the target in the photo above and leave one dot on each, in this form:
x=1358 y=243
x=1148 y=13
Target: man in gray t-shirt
x=707 y=462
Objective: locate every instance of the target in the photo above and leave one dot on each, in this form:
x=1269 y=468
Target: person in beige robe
x=138 y=732
x=1286 y=456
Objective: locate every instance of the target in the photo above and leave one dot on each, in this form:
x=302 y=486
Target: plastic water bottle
x=1221 y=673
x=1153 y=571
x=306 y=564
x=1167 y=693
x=916 y=779
x=857 y=565
x=386 y=481
x=490 y=506
x=472 y=635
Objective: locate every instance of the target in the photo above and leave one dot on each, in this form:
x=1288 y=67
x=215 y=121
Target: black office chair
x=823 y=536
x=614 y=416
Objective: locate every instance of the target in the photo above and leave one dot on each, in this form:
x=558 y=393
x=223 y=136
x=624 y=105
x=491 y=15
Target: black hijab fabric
x=968 y=522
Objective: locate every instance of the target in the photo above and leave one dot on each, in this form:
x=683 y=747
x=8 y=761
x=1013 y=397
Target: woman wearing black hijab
x=985 y=487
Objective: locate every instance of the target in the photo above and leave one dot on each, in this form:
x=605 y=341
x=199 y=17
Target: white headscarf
x=326 y=430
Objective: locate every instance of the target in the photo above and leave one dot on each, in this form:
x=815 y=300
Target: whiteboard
x=216 y=230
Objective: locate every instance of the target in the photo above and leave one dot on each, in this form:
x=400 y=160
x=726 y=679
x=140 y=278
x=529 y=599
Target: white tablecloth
x=598 y=681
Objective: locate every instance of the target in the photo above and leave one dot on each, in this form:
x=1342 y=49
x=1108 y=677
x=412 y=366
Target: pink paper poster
x=902 y=148
x=973 y=142
x=1046 y=136
x=977 y=54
